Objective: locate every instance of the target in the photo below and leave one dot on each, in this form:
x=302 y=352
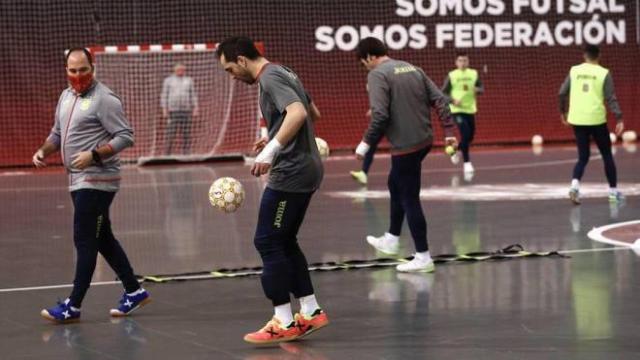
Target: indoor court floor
x=586 y=306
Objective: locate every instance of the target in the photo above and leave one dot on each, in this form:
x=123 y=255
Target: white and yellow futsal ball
x=629 y=136
x=226 y=194
x=537 y=140
x=323 y=147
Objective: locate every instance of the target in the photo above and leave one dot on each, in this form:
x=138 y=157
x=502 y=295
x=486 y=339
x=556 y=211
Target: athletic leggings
x=92 y=234
x=600 y=135
x=404 y=186
x=285 y=266
x=368 y=158
x=467 y=126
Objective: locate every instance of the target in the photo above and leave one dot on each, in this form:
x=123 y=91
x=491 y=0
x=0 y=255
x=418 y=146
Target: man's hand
x=195 y=111
x=362 y=150
x=455 y=102
x=260 y=169
x=260 y=144
x=563 y=119
x=165 y=113
x=368 y=113
x=264 y=159
x=82 y=160
x=619 y=128
x=38 y=159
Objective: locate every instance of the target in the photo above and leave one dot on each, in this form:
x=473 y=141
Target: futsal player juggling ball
x=400 y=97
x=90 y=129
x=462 y=85
x=295 y=171
x=587 y=87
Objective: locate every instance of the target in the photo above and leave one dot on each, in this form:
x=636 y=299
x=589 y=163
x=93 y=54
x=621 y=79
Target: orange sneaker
x=273 y=332
x=309 y=324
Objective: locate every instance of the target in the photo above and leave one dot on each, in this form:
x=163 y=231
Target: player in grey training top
x=296 y=172
x=179 y=103
x=400 y=98
x=90 y=130
x=298 y=166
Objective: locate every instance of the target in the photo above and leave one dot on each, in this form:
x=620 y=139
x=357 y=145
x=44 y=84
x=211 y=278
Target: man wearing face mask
x=90 y=129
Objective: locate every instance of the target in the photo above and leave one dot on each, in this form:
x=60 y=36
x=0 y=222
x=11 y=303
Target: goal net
x=182 y=105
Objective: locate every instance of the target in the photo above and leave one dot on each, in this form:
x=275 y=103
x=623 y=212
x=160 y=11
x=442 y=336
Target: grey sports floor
x=583 y=307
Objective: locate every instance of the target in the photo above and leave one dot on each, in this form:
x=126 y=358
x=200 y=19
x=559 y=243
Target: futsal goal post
x=225 y=123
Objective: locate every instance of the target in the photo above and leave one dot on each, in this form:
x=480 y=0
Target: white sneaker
x=359 y=176
x=421 y=283
x=455 y=159
x=574 y=196
x=417 y=265
x=386 y=243
x=468 y=176
x=468 y=168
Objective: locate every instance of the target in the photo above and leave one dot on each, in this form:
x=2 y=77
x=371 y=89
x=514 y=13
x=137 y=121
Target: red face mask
x=81 y=83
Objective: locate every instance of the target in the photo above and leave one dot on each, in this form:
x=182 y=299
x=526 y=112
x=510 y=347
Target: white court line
x=596 y=235
x=495 y=167
x=579 y=251
x=49 y=287
x=337 y=175
x=64 y=286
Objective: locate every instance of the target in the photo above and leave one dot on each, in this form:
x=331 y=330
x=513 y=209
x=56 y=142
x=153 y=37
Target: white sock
x=283 y=313
x=137 y=292
x=391 y=237
x=613 y=190
x=575 y=184
x=308 y=304
x=424 y=256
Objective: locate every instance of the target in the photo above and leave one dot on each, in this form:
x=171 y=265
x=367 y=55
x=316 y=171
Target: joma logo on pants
x=279 y=213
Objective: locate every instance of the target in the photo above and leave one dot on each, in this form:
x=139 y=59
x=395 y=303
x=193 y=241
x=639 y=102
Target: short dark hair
x=370 y=46
x=461 y=53
x=236 y=46
x=84 y=50
x=591 y=51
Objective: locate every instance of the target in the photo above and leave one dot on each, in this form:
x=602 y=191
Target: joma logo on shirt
x=279 y=214
x=403 y=70
x=586 y=77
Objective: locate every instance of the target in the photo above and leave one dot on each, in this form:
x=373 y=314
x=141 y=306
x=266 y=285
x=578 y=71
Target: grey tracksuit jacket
x=84 y=123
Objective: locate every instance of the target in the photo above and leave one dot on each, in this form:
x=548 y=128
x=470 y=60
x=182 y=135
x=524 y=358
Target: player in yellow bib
x=587 y=87
x=462 y=85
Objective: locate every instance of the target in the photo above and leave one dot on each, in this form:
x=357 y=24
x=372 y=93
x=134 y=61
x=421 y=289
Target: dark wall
x=521 y=83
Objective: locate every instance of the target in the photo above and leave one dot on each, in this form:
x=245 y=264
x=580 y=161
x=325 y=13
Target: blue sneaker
x=129 y=303
x=61 y=313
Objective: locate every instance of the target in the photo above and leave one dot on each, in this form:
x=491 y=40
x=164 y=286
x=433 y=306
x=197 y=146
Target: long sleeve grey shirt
x=401 y=97
x=608 y=91
x=178 y=94
x=84 y=123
